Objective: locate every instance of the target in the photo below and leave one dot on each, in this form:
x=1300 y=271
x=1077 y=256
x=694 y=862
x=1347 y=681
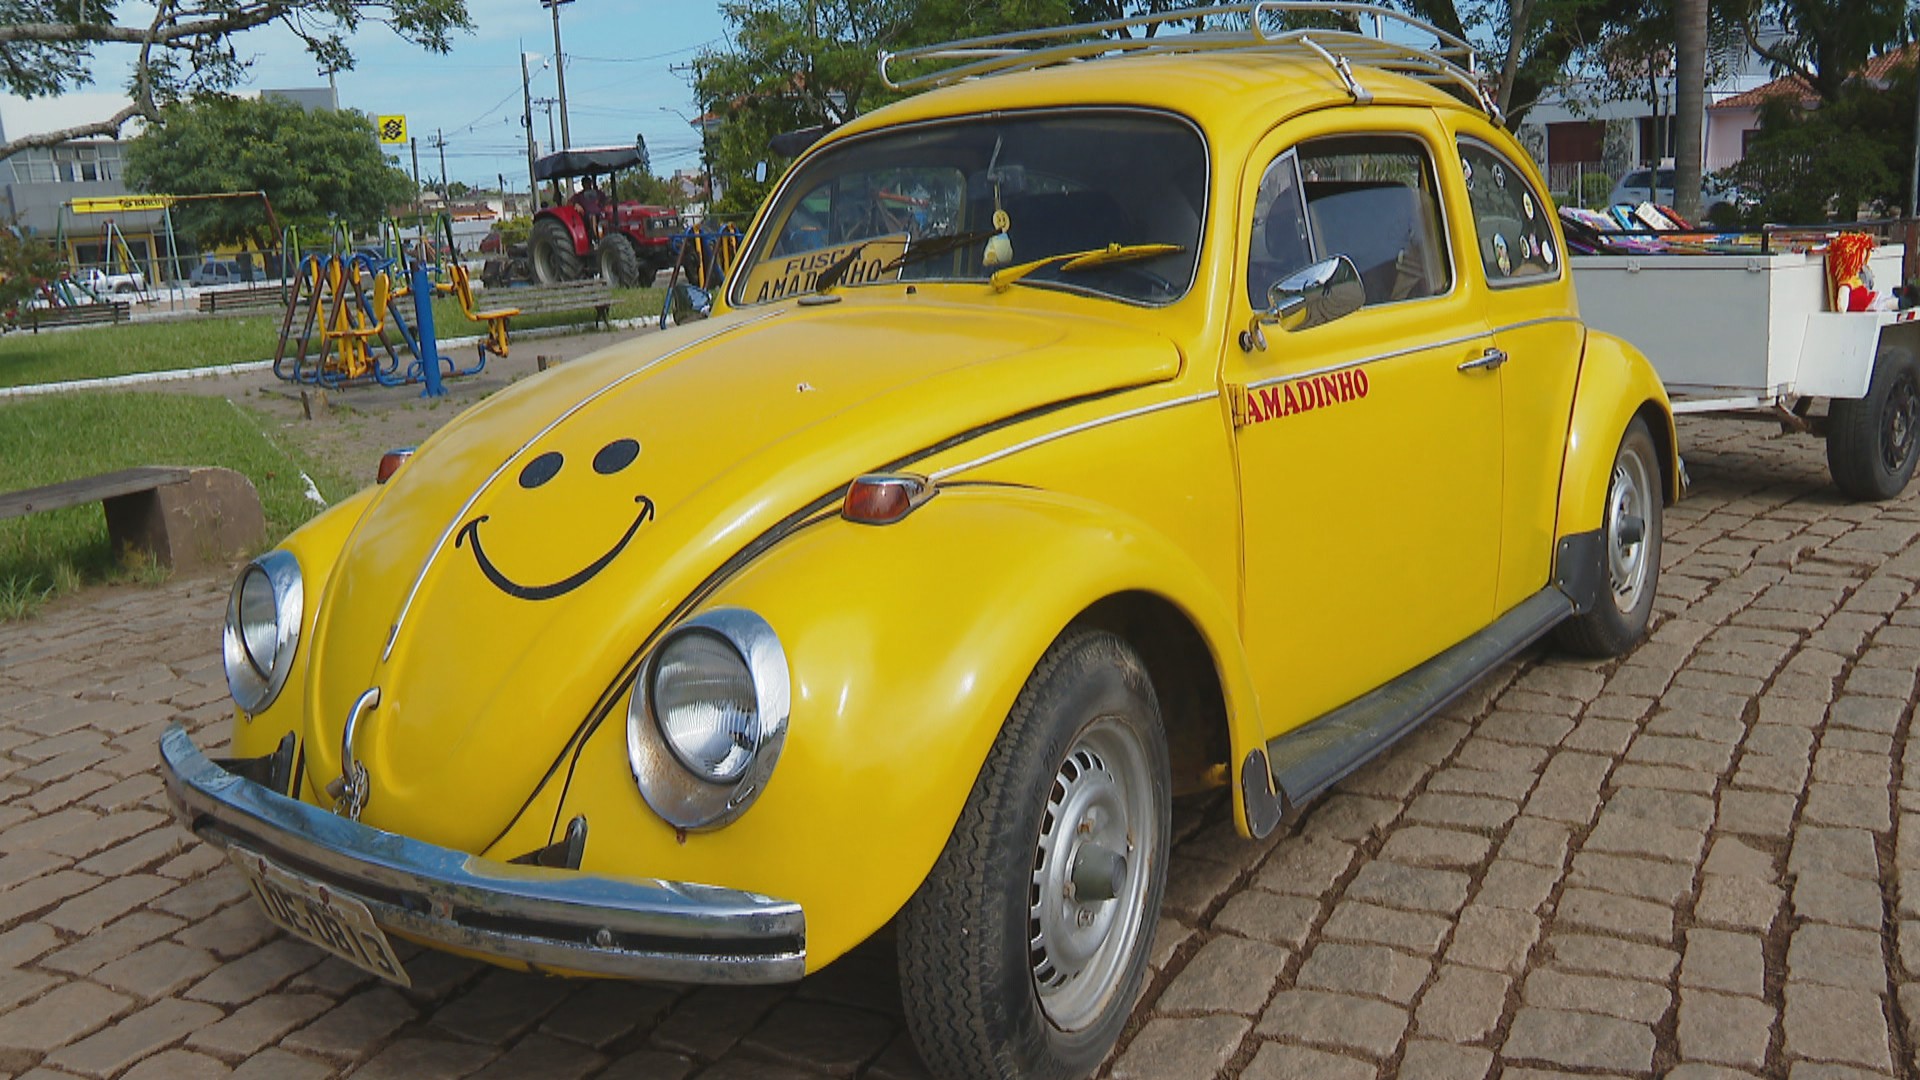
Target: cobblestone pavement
x=1700 y=862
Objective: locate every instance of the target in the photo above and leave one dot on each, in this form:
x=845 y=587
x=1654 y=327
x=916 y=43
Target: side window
x=1373 y=199
x=1512 y=225
x=1281 y=244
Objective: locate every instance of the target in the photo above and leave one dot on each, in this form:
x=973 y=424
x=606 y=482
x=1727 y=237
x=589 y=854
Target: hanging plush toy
x=1849 y=282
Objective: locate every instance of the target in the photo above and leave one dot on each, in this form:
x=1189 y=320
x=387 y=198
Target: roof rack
x=1449 y=62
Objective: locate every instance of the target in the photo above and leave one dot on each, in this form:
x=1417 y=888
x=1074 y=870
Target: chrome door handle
x=1486 y=361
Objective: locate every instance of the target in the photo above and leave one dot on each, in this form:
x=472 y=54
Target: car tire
x=1873 y=443
x=551 y=247
x=1004 y=971
x=1629 y=567
x=619 y=262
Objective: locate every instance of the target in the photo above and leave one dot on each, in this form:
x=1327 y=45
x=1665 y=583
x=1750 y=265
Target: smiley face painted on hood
x=611 y=460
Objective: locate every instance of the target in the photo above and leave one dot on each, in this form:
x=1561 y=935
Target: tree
x=1824 y=42
x=25 y=262
x=1689 y=102
x=313 y=166
x=184 y=47
x=1847 y=152
x=810 y=63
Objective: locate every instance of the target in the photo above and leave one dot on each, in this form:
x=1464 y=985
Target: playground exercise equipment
x=702 y=257
x=349 y=301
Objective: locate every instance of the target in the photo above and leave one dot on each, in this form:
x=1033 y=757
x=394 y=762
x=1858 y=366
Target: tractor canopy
x=587 y=161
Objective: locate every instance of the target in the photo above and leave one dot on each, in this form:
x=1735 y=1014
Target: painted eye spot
x=541 y=469
x=615 y=456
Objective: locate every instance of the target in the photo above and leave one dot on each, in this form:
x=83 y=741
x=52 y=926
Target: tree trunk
x=1517 y=29
x=1690 y=103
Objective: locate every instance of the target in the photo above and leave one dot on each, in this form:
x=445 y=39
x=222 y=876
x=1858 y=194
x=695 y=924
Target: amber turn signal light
x=390 y=463
x=884 y=498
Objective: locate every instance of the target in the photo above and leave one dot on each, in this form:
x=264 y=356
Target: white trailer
x=1750 y=334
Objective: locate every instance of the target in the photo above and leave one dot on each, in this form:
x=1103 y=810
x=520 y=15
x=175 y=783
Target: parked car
x=1113 y=461
x=101 y=283
x=217 y=272
x=1633 y=190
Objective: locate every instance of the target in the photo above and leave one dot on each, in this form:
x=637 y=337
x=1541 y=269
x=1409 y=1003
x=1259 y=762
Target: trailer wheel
x=554 y=259
x=1873 y=443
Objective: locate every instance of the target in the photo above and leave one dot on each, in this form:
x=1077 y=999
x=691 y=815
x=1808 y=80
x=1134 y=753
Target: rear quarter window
x=1512 y=224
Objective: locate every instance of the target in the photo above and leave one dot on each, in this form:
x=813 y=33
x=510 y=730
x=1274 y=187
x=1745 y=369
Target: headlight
x=263 y=629
x=707 y=718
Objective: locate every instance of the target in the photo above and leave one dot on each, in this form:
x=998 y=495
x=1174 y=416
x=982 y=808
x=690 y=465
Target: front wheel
x=1023 y=951
x=619 y=262
x=1629 y=553
x=1873 y=443
x=551 y=246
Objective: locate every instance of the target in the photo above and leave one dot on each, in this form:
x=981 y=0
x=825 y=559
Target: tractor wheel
x=554 y=259
x=619 y=263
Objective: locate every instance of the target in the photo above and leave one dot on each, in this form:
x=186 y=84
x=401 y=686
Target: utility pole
x=526 y=121
x=416 y=174
x=560 y=70
x=446 y=183
x=547 y=103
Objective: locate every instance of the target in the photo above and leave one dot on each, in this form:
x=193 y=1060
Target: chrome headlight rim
x=682 y=798
x=253 y=689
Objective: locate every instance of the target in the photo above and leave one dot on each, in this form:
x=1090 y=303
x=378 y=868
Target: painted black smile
x=471 y=530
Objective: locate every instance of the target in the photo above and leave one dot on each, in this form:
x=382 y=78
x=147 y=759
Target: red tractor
x=627 y=242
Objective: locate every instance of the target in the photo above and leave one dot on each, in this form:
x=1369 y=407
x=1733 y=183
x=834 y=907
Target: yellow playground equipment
x=495 y=319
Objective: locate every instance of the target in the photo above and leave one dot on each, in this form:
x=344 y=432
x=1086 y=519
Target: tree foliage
x=1825 y=41
x=184 y=47
x=313 y=166
x=794 y=64
x=1851 y=151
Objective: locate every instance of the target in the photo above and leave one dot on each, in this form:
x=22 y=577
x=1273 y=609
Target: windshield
x=958 y=201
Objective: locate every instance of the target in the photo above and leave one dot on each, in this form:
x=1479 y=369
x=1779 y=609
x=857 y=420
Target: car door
x=1369 y=447
x=1519 y=266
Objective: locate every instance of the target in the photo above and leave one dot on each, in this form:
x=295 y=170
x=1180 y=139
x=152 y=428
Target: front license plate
x=312 y=912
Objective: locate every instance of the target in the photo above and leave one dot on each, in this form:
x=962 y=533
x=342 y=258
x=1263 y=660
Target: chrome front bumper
x=548 y=919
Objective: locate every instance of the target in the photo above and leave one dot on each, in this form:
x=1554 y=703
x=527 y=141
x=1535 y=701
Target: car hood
x=499 y=587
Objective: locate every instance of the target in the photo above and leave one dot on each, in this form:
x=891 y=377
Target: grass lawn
x=164 y=345
x=45 y=440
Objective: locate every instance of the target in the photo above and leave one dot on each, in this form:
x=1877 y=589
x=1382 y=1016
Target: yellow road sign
x=121 y=204
x=393 y=130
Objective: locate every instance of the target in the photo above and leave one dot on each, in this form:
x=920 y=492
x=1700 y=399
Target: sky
x=619 y=82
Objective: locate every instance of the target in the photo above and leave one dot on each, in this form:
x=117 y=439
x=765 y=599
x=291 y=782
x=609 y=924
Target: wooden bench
x=183 y=518
x=105 y=312
x=266 y=301
x=541 y=299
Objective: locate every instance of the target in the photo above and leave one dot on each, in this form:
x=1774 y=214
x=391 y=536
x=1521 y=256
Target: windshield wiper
x=931 y=246
x=838 y=269
x=1083 y=260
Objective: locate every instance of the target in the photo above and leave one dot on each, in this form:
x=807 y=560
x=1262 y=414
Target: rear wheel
x=1873 y=443
x=1023 y=951
x=1629 y=553
x=551 y=246
x=619 y=262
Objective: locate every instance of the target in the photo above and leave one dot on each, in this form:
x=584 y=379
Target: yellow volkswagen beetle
x=1068 y=437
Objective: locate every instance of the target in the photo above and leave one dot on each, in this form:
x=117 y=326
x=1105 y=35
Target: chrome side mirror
x=1321 y=293
x=690 y=303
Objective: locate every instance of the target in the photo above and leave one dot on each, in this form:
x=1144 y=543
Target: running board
x=1315 y=756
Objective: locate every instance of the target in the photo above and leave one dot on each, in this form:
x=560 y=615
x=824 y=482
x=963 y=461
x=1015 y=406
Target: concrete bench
x=184 y=518
x=105 y=312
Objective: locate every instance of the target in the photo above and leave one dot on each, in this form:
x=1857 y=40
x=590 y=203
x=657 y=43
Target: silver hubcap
x=1629 y=514
x=1100 y=807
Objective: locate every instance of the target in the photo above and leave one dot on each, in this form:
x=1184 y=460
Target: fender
x=1616 y=383
x=907 y=645
x=576 y=226
x=316 y=546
